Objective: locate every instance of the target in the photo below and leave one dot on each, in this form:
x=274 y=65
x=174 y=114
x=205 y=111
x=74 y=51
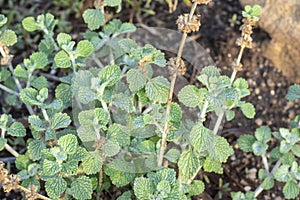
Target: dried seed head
x=11 y=183
x=174 y=67
x=187 y=26
x=32 y=193
x=202 y=1
x=237 y=67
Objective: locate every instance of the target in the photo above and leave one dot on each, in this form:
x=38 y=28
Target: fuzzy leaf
x=36 y=123
x=201 y=138
x=39 y=59
x=211 y=165
x=191 y=96
x=208 y=75
x=119 y=134
x=221 y=150
x=268 y=183
x=259 y=148
x=29 y=24
x=110 y=74
x=263 y=134
x=84 y=48
x=68 y=143
x=119 y=178
x=63 y=92
x=188 y=164
x=229 y=115
x=143 y=188
x=136 y=80
x=62 y=60
x=39 y=83
x=92 y=164
x=282 y=173
x=29 y=97
x=291 y=190
x=248 y=110
x=241 y=85
x=94 y=18
x=82 y=188
x=196 y=188
x=55 y=186
x=245 y=142
x=111 y=148
x=8 y=37
x=157 y=89
x=35 y=148
x=3 y=20
x=17 y=129
x=125 y=196
x=63 y=39
x=86 y=95
x=50 y=168
x=293 y=93
x=126 y=28
x=60 y=120
x=173 y=155
x=175 y=112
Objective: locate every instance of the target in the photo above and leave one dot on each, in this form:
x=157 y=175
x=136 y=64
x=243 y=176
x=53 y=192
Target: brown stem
x=171 y=91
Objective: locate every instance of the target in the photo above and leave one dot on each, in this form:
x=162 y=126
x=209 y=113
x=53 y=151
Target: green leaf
x=84 y=48
x=17 y=129
x=163 y=188
x=62 y=60
x=36 y=123
x=175 y=112
x=143 y=188
x=111 y=148
x=201 y=138
x=55 y=186
x=221 y=149
x=268 y=183
x=296 y=150
x=29 y=97
x=68 y=143
x=208 y=75
x=293 y=93
x=29 y=24
x=282 y=173
x=22 y=161
x=127 y=45
x=35 y=148
x=259 y=148
x=63 y=92
x=110 y=74
x=196 y=188
x=263 y=134
x=50 y=168
x=291 y=190
x=173 y=155
x=248 y=110
x=82 y=188
x=245 y=142
x=211 y=165
x=241 y=85
x=157 y=89
x=284 y=147
x=256 y=10
x=86 y=95
x=92 y=164
x=166 y=174
x=113 y=3
x=136 y=80
x=229 y=115
x=39 y=83
x=4 y=75
x=63 y=39
x=126 y=28
x=3 y=142
x=94 y=18
x=8 y=37
x=39 y=59
x=119 y=134
x=3 y=20
x=60 y=120
x=188 y=164
x=125 y=196
x=70 y=167
x=119 y=178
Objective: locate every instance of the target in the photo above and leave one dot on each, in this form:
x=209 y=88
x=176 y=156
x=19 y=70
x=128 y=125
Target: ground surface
x=268 y=86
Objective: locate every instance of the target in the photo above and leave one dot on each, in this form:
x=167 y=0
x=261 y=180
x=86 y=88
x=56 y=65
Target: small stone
x=247 y=188
x=272 y=92
x=259 y=121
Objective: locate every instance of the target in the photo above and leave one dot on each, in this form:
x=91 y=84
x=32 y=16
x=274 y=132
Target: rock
x=280 y=19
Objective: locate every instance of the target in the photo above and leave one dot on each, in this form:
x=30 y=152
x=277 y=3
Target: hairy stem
x=171 y=91
x=28 y=191
x=233 y=75
x=6 y=89
x=259 y=189
x=265 y=162
x=46 y=115
x=11 y=150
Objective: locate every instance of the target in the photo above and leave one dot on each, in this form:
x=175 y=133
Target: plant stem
x=6 y=89
x=28 y=191
x=259 y=189
x=15 y=79
x=171 y=91
x=265 y=162
x=46 y=115
x=11 y=150
x=232 y=78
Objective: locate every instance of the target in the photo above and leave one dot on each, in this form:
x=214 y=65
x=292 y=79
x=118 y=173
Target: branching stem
x=6 y=89
x=171 y=91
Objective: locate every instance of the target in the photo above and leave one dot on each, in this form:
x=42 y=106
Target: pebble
x=259 y=121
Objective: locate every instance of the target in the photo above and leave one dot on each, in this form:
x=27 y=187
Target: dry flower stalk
x=187 y=25
x=172 y=67
x=202 y=1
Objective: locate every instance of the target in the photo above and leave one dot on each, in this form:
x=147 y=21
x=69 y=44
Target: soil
x=268 y=88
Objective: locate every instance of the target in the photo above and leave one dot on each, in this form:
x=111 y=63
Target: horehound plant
x=123 y=119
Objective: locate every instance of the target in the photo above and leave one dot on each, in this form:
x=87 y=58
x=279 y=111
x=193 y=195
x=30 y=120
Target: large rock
x=281 y=20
